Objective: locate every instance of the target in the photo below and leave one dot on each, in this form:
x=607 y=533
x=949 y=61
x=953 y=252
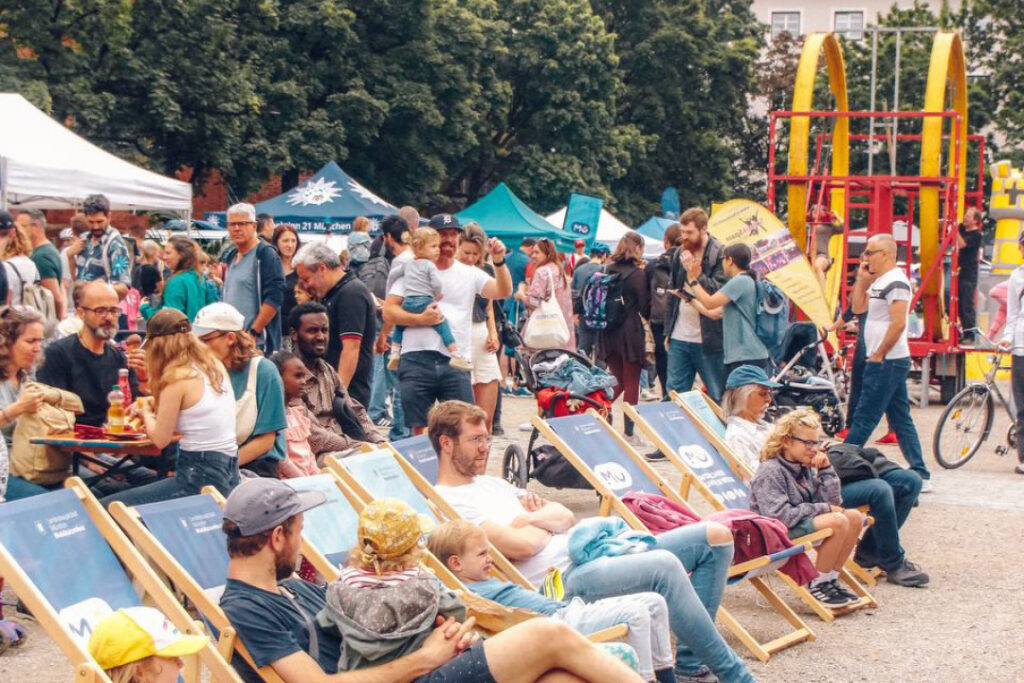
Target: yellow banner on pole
x=774 y=254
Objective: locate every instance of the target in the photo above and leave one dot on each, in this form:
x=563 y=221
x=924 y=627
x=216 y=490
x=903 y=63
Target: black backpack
x=554 y=470
x=660 y=282
x=374 y=273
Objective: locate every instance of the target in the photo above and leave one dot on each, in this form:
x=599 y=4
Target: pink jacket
x=756 y=535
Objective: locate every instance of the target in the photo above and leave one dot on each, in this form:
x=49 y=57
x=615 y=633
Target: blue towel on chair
x=596 y=537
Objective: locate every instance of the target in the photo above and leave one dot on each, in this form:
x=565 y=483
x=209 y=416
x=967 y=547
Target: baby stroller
x=545 y=463
x=803 y=384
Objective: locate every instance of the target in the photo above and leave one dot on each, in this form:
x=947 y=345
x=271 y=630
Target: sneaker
x=840 y=590
x=649 y=395
x=654 y=456
x=907 y=574
x=384 y=421
x=889 y=438
x=927 y=486
x=702 y=675
x=1019 y=469
x=827 y=595
x=842 y=434
x=526 y=427
x=497 y=430
x=460 y=363
x=634 y=440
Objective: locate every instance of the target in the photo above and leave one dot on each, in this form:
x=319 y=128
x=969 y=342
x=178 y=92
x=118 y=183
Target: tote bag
x=546 y=328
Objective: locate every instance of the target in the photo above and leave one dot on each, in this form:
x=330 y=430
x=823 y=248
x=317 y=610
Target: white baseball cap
x=218 y=317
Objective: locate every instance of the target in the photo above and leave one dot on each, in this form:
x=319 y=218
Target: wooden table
x=120 y=452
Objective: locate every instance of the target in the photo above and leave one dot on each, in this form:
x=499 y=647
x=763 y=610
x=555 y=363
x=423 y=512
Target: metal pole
x=896 y=107
x=871 y=121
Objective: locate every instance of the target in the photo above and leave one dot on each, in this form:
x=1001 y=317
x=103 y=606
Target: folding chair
x=708 y=466
x=183 y=539
x=708 y=426
x=71 y=566
x=380 y=473
x=608 y=462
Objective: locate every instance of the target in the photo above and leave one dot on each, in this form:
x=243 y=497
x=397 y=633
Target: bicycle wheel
x=963 y=426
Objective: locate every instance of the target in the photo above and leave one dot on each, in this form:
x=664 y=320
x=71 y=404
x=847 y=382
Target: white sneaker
x=649 y=395
x=634 y=440
x=926 y=486
x=526 y=427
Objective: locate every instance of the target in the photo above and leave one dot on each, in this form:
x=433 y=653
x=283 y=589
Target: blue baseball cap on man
x=444 y=221
x=749 y=374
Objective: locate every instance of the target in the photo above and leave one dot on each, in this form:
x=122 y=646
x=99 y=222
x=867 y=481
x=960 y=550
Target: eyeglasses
x=210 y=337
x=233 y=223
x=479 y=441
x=810 y=443
x=103 y=311
x=871 y=252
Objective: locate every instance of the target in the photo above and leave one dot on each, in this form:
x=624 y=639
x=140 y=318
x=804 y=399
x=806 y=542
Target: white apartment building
x=848 y=17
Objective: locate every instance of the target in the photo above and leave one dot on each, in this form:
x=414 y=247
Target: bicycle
x=966 y=422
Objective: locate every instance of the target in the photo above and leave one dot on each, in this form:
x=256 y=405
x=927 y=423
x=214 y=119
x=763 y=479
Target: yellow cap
x=135 y=633
x=388 y=528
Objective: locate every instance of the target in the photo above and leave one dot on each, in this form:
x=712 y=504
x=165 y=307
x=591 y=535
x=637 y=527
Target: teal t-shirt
x=270 y=415
x=47 y=260
x=513 y=595
x=739 y=339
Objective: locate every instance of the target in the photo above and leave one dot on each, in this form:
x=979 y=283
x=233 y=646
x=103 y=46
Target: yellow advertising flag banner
x=774 y=254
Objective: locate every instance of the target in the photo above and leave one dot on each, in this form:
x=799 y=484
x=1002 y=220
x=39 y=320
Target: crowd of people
x=258 y=363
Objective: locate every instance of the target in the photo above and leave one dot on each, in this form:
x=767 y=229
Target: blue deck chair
x=614 y=469
x=184 y=540
x=71 y=565
x=419 y=452
x=707 y=418
x=329 y=531
x=382 y=473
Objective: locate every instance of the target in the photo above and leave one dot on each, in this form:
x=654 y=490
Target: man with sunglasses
x=883 y=291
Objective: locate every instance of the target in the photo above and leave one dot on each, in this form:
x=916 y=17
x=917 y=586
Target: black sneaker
x=838 y=588
x=497 y=430
x=826 y=594
x=384 y=421
x=907 y=574
x=654 y=456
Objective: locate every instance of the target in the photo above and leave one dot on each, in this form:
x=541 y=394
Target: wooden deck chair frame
x=228 y=641
x=359 y=497
x=611 y=502
x=744 y=471
x=446 y=511
x=141 y=574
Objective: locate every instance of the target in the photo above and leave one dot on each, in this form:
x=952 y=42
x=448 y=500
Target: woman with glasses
x=748 y=393
x=797 y=485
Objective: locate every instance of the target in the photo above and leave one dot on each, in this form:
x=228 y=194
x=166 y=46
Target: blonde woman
x=192 y=397
x=486 y=372
x=17 y=258
x=797 y=485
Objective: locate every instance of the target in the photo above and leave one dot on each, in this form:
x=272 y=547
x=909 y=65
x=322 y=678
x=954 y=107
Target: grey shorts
x=469 y=667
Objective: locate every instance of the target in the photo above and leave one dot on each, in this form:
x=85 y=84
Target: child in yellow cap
x=383 y=604
x=141 y=645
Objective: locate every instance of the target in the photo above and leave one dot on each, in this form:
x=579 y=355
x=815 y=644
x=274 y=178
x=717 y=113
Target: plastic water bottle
x=116 y=412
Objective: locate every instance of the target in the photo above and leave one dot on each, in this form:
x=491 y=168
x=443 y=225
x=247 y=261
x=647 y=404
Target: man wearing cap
x=102 y=253
x=424 y=373
x=351 y=310
x=276 y=616
x=254 y=279
x=44 y=255
x=578 y=257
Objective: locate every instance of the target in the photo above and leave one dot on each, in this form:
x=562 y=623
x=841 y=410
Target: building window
x=785 y=22
x=850 y=25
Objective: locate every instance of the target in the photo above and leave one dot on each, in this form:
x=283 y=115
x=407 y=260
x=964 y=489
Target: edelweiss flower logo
x=366 y=194
x=315 y=192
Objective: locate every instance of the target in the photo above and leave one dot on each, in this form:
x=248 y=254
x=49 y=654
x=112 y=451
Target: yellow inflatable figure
x=1006 y=205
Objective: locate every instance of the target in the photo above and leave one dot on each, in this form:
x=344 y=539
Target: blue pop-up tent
x=504 y=215
x=655 y=227
x=327 y=202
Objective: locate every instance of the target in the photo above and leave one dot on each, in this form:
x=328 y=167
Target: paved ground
x=968 y=535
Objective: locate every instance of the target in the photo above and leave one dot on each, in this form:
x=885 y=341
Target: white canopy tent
x=610 y=230
x=44 y=165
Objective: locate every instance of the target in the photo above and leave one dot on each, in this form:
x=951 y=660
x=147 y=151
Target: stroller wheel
x=515 y=469
x=5 y=641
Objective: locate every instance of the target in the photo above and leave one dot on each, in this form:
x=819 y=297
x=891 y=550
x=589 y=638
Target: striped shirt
x=361 y=578
x=888 y=288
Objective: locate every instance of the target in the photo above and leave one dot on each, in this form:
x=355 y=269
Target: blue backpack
x=603 y=307
x=772 y=311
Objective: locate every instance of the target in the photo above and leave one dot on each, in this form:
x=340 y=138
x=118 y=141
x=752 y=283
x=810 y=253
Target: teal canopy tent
x=503 y=215
x=655 y=227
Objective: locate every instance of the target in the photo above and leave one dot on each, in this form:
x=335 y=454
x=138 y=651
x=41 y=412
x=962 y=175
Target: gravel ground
x=964 y=626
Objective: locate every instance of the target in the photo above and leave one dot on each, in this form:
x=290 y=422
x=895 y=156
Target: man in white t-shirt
x=688 y=566
x=883 y=291
x=424 y=373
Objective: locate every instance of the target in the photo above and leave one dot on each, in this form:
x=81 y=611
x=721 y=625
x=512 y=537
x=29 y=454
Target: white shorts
x=485 y=363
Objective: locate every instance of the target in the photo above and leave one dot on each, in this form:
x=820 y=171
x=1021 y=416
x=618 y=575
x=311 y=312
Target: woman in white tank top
x=193 y=397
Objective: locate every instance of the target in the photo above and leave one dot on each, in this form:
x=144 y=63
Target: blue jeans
x=884 y=392
x=685 y=360
x=890 y=499
x=692 y=600
x=385 y=384
x=417 y=304
x=193 y=471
